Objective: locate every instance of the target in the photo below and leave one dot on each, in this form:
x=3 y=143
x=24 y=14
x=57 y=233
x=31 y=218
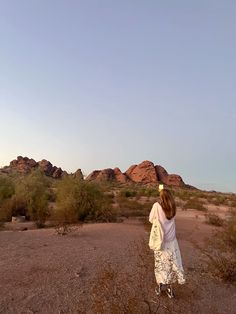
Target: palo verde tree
x=77 y=200
x=34 y=188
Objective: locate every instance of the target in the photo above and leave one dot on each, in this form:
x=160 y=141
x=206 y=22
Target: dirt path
x=44 y=273
x=41 y=272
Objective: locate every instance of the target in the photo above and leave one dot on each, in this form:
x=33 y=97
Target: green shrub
x=34 y=190
x=6 y=211
x=149 y=191
x=128 y=193
x=7 y=188
x=77 y=200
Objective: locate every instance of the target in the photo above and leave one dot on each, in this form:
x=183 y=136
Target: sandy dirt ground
x=41 y=272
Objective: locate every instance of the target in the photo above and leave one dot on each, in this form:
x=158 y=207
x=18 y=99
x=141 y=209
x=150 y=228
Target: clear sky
x=93 y=84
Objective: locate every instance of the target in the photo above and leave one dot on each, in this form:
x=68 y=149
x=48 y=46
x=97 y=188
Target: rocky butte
x=24 y=165
x=144 y=173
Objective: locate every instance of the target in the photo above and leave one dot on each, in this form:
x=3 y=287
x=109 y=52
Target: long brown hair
x=168 y=203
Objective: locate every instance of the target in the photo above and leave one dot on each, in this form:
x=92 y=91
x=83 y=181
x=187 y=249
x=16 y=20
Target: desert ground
x=106 y=268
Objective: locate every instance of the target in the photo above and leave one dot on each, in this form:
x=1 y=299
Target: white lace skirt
x=168 y=264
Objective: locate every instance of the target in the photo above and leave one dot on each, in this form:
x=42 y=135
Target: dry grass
x=129 y=207
x=215 y=220
x=195 y=203
x=64 y=228
x=93 y=273
x=117 y=292
x=221 y=250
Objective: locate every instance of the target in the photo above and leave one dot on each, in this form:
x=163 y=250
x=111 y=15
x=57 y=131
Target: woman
x=168 y=263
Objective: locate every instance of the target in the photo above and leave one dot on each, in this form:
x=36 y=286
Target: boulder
x=119 y=176
x=18 y=219
x=106 y=175
x=176 y=180
x=78 y=174
x=57 y=173
x=162 y=174
x=49 y=169
x=93 y=175
x=23 y=165
x=46 y=167
x=168 y=179
x=145 y=172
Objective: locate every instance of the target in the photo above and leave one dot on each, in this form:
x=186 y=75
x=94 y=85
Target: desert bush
x=221 y=252
x=51 y=194
x=223 y=265
x=77 y=200
x=149 y=191
x=201 y=194
x=33 y=189
x=229 y=234
x=194 y=204
x=233 y=203
x=219 y=200
x=18 y=205
x=184 y=194
x=215 y=220
x=7 y=188
x=132 y=207
x=5 y=211
x=65 y=228
x=13 y=206
x=127 y=193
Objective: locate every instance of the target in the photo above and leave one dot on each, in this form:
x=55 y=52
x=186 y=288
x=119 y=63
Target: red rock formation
x=78 y=174
x=102 y=175
x=174 y=179
x=23 y=165
x=130 y=170
x=119 y=176
x=46 y=167
x=145 y=173
x=168 y=179
x=108 y=175
x=93 y=175
x=142 y=173
x=162 y=174
x=57 y=172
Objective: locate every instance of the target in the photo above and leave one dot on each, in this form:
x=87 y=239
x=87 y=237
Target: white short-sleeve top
x=168 y=226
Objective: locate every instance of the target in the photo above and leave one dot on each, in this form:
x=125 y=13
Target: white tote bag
x=156 y=234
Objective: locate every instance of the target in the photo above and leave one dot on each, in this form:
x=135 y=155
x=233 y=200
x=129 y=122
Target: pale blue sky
x=97 y=84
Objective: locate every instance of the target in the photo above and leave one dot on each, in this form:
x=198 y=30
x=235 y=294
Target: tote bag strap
x=157 y=212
